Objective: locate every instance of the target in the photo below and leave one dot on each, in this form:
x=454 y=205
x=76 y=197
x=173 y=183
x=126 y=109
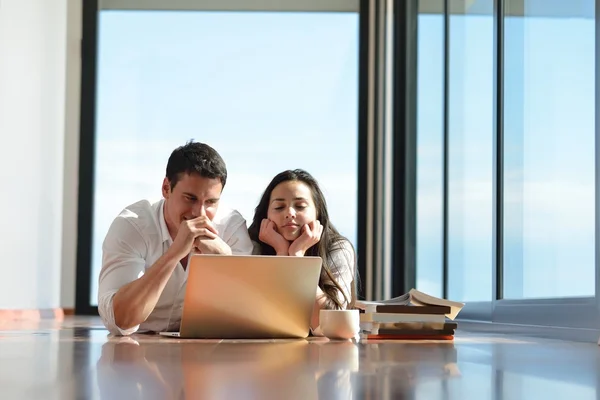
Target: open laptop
x=249 y=297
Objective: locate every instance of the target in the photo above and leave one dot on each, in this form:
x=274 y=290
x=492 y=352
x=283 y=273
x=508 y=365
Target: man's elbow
x=124 y=317
x=115 y=331
x=123 y=322
x=114 y=323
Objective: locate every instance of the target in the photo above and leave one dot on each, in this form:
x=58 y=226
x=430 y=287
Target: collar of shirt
x=164 y=229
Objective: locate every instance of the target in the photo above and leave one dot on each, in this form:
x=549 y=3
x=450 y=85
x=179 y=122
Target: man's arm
x=234 y=240
x=212 y=246
x=123 y=261
x=128 y=293
x=133 y=303
x=239 y=242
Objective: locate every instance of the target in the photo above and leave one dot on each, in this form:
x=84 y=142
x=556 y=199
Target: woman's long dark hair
x=331 y=239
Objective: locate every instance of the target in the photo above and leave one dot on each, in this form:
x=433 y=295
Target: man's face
x=193 y=196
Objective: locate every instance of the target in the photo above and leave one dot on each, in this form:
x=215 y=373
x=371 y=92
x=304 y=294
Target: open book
x=413 y=298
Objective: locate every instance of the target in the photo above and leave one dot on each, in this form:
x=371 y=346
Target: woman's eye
x=278 y=208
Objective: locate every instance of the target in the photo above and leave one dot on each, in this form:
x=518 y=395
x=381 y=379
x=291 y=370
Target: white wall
x=33 y=127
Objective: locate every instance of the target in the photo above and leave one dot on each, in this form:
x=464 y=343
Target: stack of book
x=412 y=316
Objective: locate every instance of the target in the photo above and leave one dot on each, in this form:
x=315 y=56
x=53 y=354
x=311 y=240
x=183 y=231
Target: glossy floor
x=75 y=359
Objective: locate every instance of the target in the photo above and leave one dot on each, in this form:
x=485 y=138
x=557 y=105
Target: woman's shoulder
x=342 y=244
x=342 y=250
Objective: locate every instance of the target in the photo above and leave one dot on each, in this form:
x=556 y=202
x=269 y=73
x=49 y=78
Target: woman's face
x=291 y=206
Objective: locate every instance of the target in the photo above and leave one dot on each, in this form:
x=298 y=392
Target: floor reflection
x=300 y=369
x=297 y=368
x=78 y=360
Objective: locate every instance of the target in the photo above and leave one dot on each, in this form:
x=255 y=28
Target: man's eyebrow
x=193 y=196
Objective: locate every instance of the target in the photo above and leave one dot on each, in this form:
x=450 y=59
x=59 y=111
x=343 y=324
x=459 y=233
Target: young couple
x=145 y=252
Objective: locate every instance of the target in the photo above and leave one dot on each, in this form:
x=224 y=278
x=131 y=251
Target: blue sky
x=272 y=91
x=549 y=156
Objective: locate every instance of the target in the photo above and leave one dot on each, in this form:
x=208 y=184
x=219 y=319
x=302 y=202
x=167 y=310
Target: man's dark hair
x=196 y=158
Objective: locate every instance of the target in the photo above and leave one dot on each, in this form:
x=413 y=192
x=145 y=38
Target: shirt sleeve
x=343 y=270
x=239 y=241
x=122 y=262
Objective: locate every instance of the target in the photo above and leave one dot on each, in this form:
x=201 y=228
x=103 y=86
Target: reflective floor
x=75 y=359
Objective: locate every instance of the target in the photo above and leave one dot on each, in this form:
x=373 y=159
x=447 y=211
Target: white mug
x=339 y=324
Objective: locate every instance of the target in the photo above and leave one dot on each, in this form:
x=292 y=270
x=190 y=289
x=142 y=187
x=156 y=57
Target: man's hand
x=311 y=234
x=206 y=245
x=133 y=303
x=189 y=230
x=270 y=236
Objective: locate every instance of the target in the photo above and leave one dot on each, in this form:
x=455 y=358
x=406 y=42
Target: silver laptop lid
x=244 y=297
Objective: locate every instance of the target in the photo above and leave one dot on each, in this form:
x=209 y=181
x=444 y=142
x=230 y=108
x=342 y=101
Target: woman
x=291 y=219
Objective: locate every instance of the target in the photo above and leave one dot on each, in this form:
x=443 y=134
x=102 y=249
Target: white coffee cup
x=339 y=324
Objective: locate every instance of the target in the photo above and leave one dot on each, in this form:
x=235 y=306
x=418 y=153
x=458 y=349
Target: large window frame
x=373 y=245
x=386 y=154
x=581 y=313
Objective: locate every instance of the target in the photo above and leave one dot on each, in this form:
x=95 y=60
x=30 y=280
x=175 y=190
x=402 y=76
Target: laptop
x=248 y=297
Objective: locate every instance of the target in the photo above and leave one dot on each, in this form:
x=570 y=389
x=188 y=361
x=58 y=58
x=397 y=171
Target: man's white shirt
x=136 y=239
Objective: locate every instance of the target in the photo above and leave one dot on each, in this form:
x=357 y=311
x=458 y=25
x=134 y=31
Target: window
x=470 y=152
x=549 y=156
x=269 y=90
x=430 y=149
x=521 y=162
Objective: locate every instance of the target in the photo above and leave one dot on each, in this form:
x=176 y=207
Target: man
x=145 y=253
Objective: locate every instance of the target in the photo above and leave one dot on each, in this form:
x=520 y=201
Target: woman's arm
x=343 y=270
x=320 y=304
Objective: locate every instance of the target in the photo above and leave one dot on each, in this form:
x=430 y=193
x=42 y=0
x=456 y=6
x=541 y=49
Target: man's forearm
x=223 y=248
x=134 y=302
x=213 y=246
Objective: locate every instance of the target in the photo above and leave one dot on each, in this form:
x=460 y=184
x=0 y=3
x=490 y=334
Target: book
x=383 y=318
x=447 y=328
x=413 y=298
x=406 y=309
x=414 y=336
x=416 y=327
x=423 y=332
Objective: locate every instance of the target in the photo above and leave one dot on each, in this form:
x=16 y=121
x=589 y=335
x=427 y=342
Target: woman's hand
x=311 y=234
x=269 y=235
